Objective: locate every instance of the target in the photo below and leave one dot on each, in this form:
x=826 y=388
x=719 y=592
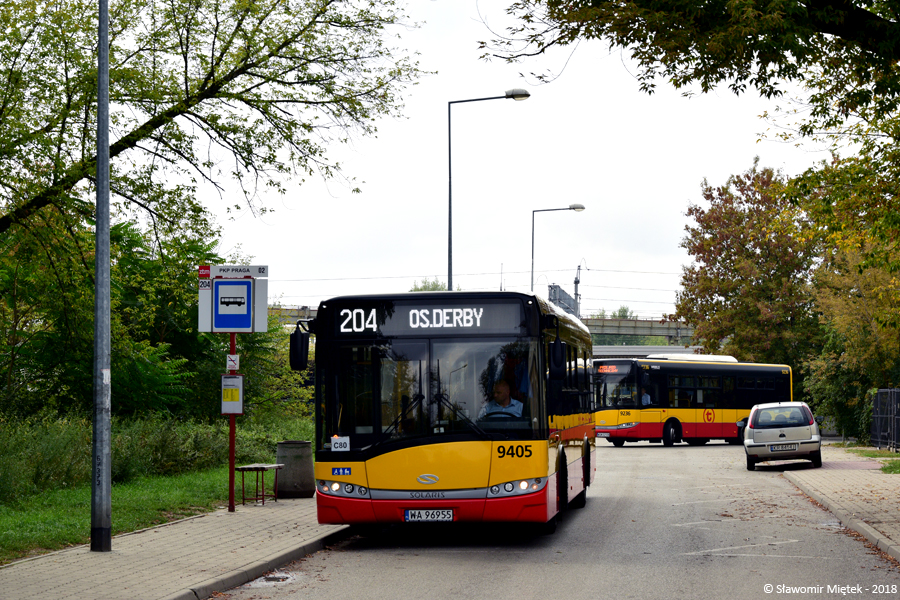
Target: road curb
x=248 y=573
x=881 y=541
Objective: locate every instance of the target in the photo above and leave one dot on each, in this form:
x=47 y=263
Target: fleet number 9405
x=514 y=451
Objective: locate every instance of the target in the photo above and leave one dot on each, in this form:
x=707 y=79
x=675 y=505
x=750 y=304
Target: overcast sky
x=589 y=137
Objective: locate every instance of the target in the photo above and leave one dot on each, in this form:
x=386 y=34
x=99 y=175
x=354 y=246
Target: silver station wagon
x=782 y=431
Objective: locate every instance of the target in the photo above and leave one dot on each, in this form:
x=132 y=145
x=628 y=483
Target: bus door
x=682 y=403
x=729 y=408
x=710 y=415
x=651 y=392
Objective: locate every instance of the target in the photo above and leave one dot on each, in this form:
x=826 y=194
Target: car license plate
x=782 y=447
x=602 y=434
x=428 y=516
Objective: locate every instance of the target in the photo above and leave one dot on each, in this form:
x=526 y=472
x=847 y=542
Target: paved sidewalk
x=856 y=491
x=184 y=560
x=193 y=558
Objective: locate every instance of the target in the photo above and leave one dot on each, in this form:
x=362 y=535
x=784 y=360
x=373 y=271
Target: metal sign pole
x=231 y=438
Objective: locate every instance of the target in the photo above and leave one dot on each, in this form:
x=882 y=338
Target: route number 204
x=357 y=321
x=514 y=451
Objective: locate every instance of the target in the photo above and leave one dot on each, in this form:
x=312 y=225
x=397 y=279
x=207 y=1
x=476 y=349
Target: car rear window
x=780 y=416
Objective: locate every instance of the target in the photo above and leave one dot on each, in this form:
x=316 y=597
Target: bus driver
x=502 y=403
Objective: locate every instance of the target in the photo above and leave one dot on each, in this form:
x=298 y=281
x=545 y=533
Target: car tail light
x=810 y=415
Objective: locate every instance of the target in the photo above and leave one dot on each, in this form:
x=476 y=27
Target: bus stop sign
x=233 y=298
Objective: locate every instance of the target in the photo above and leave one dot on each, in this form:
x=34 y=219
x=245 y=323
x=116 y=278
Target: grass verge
x=891 y=467
x=61 y=518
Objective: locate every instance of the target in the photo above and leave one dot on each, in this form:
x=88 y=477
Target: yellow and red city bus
x=450 y=406
x=690 y=398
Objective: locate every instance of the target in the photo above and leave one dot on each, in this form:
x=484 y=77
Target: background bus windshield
x=616 y=389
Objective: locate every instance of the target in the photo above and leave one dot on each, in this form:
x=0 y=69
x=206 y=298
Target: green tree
x=855 y=44
x=748 y=292
x=435 y=285
x=860 y=353
x=199 y=91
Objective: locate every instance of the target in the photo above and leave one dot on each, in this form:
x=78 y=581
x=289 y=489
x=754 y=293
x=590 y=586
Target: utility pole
x=577 y=297
x=101 y=465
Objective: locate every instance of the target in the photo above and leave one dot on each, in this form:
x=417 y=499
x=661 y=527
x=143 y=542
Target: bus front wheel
x=670 y=434
x=618 y=443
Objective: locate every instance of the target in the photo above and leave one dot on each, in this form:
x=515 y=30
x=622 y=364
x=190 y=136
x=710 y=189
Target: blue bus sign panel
x=233 y=305
x=233 y=298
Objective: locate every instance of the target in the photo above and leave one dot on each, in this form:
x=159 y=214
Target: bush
x=37 y=455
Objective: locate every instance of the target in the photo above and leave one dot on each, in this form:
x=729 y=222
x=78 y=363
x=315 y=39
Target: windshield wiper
x=444 y=400
x=392 y=428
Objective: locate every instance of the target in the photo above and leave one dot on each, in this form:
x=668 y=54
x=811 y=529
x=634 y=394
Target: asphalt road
x=660 y=523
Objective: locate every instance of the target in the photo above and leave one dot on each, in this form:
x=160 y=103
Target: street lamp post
x=514 y=94
x=575 y=207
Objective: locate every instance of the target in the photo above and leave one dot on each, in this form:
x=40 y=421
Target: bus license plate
x=428 y=516
x=782 y=447
x=602 y=434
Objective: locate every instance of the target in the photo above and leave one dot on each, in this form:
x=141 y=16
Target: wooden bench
x=260 y=469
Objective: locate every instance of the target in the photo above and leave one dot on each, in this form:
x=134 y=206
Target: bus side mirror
x=557 y=360
x=299 y=349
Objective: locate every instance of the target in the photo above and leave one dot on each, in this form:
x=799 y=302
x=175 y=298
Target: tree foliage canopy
x=200 y=90
x=748 y=292
x=740 y=43
x=233 y=93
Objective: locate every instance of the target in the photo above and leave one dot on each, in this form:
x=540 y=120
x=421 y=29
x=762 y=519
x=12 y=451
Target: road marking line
x=747 y=546
x=761 y=556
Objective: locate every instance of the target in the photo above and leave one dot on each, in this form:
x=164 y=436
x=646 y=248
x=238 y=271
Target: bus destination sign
x=402 y=318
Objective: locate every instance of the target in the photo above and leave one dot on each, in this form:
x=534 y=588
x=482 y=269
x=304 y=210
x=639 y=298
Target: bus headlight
x=342 y=488
x=516 y=488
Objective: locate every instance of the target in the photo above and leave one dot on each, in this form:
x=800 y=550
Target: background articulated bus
x=692 y=399
x=404 y=430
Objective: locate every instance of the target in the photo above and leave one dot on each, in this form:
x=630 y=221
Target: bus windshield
x=616 y=389
x=401 y=388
